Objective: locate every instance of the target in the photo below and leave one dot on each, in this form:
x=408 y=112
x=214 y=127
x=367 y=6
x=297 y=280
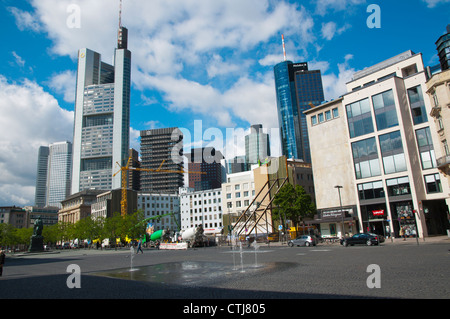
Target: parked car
x=368 y=239
x=304 y=240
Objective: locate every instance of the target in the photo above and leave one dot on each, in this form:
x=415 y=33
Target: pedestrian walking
x=2 y=260
x=402 y=233
x=139 y=248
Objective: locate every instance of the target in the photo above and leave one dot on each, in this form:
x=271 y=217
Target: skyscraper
x=40 y=197
x=205 y=160
x=102 y=117
x=59 y=173
x=443 y=48
x=257 y=146
x=162 y=149
x=53 y=179
x=297 y=88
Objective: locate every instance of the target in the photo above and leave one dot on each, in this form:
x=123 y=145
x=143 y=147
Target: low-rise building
x=161 y=210
x=202 y=208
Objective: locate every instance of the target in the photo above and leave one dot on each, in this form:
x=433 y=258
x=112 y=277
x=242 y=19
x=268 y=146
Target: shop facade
x=336 y=222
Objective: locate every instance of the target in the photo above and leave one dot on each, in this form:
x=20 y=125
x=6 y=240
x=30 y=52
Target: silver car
x=303 y=240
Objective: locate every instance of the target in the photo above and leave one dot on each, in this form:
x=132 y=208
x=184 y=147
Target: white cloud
x=434 y=3
x=25 y=20
x=20 y=62
x=64 y=83
x=335 y=84
x=328 y=30
x=30 y=118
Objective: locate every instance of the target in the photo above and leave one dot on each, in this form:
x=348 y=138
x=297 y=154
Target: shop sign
x=331 y=215
x=378 y=212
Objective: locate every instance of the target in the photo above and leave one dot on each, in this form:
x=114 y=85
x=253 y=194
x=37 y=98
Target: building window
x=313 y=120
x=385 y=113
x=321 y=118
x=417 y=104
x=433 y=183
x=392 y=153
x=371 y=190
x=365 y=157
x=398 y=186
x=426 y=148
x=328 y=115
x=335 y=112
x=359 y=118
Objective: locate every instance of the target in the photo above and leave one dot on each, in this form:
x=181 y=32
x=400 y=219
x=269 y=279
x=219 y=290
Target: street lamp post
x=342 y=212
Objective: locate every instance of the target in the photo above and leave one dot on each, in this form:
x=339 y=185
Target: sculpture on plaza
x=37 y=240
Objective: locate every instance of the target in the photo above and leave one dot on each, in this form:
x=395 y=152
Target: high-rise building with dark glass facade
x=443 y=48
x=162 y=156
x=297 y=88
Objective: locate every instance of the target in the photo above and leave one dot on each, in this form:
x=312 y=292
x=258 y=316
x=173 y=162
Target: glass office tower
x=443 y=47
x=297 y=89
x=257 y=145
x=102 y=118
x=59 y=173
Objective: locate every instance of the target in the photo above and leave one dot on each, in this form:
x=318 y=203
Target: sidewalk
x=426 y=240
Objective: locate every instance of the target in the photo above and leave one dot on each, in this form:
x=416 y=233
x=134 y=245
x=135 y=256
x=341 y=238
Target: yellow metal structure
x=126 y=168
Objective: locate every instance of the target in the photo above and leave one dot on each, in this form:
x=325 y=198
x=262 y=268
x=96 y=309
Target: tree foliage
x=116 y=227
x=293 y=203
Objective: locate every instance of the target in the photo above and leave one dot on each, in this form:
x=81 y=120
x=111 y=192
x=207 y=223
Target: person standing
x=2 y=260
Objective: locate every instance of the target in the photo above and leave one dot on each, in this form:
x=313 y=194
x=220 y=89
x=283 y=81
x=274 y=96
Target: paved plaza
x=327 y=271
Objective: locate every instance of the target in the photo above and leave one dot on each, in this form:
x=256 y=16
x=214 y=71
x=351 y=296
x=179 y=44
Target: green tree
x=113 y=228
x=23 y=235
x=293 y=203
x=7 y=235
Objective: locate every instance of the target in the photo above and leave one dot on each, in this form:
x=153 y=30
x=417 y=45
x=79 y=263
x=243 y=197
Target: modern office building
x=205 y=168
x=53 y=178
x=59 y=173
x=236 y=165
x=380 y=139
x=102 y=118
x=257 y=145
x=443 y=48
x=40 y=197
x=134 y=176
x=201 y=208
x=297 y=88
x=162 y=153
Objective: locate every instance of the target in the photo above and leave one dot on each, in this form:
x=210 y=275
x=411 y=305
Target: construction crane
x=127 y=167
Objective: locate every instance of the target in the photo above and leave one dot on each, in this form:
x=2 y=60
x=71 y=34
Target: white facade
x=102 y=120
x=201 y=208
x=237 y=194
x=165 y=205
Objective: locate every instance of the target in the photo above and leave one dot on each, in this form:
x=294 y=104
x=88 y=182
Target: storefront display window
x=405 y=221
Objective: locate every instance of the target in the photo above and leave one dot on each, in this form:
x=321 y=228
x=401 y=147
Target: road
x=275 y=272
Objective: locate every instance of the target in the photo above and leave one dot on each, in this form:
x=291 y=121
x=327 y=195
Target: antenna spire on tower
x=122 y=38
x=120 y=14
x=284 y=47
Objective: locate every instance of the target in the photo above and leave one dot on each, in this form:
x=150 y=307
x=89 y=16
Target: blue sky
x=193 y=60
